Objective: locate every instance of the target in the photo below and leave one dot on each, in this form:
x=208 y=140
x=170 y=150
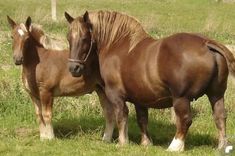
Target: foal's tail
x=215 y=46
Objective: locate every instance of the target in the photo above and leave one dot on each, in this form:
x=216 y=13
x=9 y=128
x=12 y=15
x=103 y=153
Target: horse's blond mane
x=46 y=41
x=111 y=27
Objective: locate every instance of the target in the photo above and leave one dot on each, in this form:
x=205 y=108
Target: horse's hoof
x=123 y=143
x=176 y=145
x=106 y=138
x=146 y=142
x=222 y=144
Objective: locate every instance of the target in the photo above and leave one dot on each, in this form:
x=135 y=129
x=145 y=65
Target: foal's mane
x=38 y=34
x=110 y=27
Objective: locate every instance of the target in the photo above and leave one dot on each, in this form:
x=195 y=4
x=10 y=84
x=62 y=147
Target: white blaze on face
x=21 y=32
x=74 y=34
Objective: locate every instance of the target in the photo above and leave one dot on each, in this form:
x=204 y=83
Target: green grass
x=79 y=122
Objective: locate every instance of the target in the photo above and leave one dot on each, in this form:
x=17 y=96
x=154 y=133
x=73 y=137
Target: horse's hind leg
x=142 y=119
x=173 y=116
x=183 y=122
x=46 y=128
x=215 y=94
x=108 y=114
x=217 y=104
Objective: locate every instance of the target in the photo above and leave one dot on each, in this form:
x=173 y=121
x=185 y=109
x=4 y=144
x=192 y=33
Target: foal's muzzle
x=18 y=60
x=76 y=69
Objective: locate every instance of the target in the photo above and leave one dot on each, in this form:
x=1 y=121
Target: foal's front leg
x=38 y=112
x=46 y=128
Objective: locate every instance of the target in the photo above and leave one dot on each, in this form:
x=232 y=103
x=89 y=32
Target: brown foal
x=171 y=71
x=45 y=75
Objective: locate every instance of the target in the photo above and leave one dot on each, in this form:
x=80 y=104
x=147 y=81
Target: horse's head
x=81 y=43
x=20 y=36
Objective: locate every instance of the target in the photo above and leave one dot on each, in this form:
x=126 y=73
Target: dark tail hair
x=213 y=45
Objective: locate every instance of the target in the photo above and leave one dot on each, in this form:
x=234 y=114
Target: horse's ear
x=11 y=22
x=68 y=17
x=28 y=23
x=86 y=17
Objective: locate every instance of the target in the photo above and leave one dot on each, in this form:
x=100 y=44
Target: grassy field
x=79 y=122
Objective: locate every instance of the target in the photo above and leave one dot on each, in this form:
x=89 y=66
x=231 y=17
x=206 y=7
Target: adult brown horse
x=45 y=76
x=171 y=71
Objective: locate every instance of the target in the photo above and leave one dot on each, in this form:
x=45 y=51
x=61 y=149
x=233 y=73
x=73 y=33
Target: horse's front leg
x=108 y=114
x=46 y=128
x=183 y=121
x=142 y=119
x=121 y=114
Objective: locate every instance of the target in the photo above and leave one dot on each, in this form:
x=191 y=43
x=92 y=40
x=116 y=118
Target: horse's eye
x=84 y=39
x=12 y=37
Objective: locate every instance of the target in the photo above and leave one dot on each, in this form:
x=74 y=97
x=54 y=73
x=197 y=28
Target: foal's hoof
x=44 y=137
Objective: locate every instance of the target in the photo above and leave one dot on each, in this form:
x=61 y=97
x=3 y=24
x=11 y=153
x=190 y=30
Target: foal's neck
x=32 y=53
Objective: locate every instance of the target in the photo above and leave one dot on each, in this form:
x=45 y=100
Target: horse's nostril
x=76 y=68
x=73 y=68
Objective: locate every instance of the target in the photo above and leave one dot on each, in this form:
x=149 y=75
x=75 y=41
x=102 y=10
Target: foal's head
x=20 y=36
x=81 y=43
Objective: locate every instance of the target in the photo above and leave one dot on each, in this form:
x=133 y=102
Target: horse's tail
x=224 y=51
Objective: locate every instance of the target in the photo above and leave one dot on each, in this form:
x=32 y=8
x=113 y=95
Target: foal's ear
x=11 y=22
x=28 y=23
x=68 y=17
x=86 y=17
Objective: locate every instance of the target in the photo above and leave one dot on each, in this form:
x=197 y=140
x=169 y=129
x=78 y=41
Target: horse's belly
x=159 y=103
x=154 y=96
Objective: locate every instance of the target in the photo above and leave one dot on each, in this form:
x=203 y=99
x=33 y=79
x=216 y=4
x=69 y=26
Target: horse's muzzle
x=76 y=69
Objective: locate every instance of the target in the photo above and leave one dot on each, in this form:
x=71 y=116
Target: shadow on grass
x=161 y=132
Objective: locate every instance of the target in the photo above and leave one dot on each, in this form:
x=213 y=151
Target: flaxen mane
x=47 y=42
x=111 y=27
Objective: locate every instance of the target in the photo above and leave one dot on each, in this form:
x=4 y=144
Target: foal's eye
x=12 y=37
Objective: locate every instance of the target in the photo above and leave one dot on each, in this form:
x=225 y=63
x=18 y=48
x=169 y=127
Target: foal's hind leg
x=183 y=122
x=108 y=114
x=142 y=119
x=46 y=129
